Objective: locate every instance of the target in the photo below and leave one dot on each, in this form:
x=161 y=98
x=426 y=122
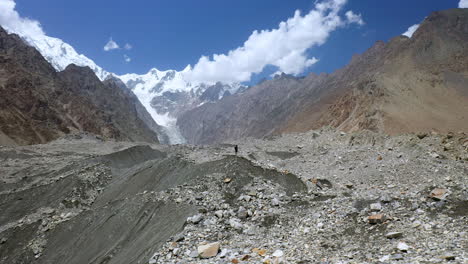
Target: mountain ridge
x=43 y=104
x=405 y=85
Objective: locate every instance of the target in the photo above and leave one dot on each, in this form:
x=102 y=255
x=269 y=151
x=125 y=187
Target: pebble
x=219 y=213
x=242 y=213
x=195 y=219
x=376 y=207
x=393 y=235
x=236 y=224
x=402 y=246
x=448 y=257
x=208 y=250
x=397 y=257
x=179 y=237
x=376 y=219
x=275 y=202
x=278 y=253
x=438 y=194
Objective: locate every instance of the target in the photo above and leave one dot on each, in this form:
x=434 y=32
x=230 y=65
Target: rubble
x=396 y=210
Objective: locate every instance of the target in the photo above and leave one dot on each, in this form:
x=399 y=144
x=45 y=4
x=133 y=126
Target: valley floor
x=318 y=197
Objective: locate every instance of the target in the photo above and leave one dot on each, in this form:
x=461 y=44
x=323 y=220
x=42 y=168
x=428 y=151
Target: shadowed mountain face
x=405 y=85
x=39 y=105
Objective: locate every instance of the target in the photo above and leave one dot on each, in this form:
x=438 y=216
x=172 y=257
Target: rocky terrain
x=415 y=84
x=320 y=197
x=39 y=104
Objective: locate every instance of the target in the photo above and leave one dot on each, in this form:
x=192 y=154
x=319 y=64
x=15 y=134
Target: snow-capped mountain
x=165 y=94
x=61 y=54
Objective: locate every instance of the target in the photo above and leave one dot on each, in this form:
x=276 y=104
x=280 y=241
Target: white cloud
x=409 y=33
x=463 y=4
x=127 y=58
x=111 y=45
x=128 y=46
x=354 y=18
x=12 y=22
x=284 y=47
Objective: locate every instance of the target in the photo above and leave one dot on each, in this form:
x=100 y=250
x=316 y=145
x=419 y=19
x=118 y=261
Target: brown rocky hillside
x=406 y=85
x=38 y=105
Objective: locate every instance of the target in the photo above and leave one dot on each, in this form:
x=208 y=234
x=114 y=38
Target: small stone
x=384 y=258
x=385 y=199
x=376 y=219
x=376 y=207
x=242 y=213
x=393 y=235
x=3 y=241
x=416 y=224
x=178 y=237
x=246 y=198
x=219 y=213
x=402 y=246
x=208 y=250
x=448 y=257
x=223 y=253
x=235 y=223
x=252 y=193
x=379 y=157
x=251 y=231
x=275 y=202
x=193 y=254
x=349 y=185
x=438 y=194
x=421 y=135
x=227 y=180
x=195 y=219
x=397 y=257
x=278 y=253
x=260 y=252
x=154 y=259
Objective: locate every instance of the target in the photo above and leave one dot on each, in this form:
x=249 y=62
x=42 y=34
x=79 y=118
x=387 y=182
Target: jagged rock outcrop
x=406 y=85
x=39 y=104
x=141 y=111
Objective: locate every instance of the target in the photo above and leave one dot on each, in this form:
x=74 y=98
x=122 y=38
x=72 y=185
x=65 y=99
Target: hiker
x=236 y=149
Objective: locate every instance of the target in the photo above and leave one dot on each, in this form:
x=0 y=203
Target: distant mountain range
x=39 y=104
x=165 y=94
x=406 y=85
x=417 y=84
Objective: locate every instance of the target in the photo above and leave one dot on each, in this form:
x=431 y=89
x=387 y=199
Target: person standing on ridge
x=236 y=149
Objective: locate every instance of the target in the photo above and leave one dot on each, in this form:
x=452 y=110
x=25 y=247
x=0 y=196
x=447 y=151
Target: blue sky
x=173 y=34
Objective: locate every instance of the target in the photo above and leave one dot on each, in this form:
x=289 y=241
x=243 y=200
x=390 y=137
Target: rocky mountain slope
x=164 y=94
x=40 y=104
x=319 y=197
x=405 y=85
